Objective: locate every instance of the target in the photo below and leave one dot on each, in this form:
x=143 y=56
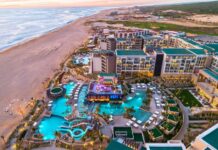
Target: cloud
x=64 y=3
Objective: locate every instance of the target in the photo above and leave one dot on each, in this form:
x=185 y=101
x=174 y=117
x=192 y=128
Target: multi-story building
x=103 y=61
x=108 y=43
x=108 y=63
x=130 y=62
x=111 y=43
x=206 y=140
x=130 y=43
x=130 y=33
x=214 y=63
x=181 y=63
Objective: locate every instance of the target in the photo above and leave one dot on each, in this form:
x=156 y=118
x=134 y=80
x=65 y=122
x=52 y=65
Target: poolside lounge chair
x=133 y=119
x=139 y=121
x=157 y=112
x=151 y=119
x=135 y=125
x=161 y=117
x=154 y=115
x=130 y=122
x=127 y=124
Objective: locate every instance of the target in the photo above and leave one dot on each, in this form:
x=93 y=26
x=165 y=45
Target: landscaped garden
x=187 y=98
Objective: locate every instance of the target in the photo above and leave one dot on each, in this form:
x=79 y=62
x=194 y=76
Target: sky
x=70 y=3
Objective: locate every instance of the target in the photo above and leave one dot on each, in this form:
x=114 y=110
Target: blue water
x=142 y=115
x=134 y=102
x=49 y=125
x=17 y=25
x=60 y=106
x=82 y=60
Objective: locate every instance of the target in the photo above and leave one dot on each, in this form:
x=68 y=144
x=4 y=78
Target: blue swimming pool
x=60 y=107
x=134 y=102
x=142 y=115
x=49 y=125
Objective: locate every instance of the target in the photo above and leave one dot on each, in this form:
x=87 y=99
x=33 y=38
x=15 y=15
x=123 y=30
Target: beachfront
x=26 y=68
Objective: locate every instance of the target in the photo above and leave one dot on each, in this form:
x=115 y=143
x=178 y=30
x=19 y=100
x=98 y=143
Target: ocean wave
x=17 y=25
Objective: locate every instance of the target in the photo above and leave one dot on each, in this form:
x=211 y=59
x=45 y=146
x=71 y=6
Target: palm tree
x=101 y=138
x=57 y=134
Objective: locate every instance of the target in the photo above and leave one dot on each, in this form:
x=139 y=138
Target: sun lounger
x=127 y=124
x=139 y=121
x=136 y=125
x=133 y=119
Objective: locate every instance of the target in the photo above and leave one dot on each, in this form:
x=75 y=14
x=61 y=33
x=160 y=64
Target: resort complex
x=129 y=88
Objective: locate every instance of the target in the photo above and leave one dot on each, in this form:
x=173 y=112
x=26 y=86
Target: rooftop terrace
x=114 y=145
x=130 y=53
x=177 y=51
x=211 y=73
x=156 y=132
x=210 y=137
x=198 y=51
x=122 y=132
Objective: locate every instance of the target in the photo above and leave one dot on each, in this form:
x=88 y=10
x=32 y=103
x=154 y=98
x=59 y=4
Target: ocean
x=18 y=25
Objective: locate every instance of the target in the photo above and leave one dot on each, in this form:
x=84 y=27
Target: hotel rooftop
x=165 y=146
x=207 y=140
x=130 y=53
x=212 y=74
x=177 y=51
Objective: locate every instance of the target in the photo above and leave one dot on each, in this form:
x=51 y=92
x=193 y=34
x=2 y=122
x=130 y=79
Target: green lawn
x=167 y=26
x=187 y=98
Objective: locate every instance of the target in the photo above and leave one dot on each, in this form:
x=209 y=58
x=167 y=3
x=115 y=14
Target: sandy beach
x=25 y=67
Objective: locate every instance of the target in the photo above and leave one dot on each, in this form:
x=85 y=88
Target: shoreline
x=28 y=39
x=26 y=66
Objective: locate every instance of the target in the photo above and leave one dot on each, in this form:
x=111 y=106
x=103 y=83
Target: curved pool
x=134 y=102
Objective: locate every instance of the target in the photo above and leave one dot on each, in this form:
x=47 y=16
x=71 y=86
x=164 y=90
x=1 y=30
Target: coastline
x=47 y=32
x=27 y=65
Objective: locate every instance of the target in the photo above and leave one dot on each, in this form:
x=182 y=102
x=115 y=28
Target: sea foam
x=18 y=25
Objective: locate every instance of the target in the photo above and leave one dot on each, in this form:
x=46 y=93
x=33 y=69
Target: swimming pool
x=142 y=115
x=82 y=60
x=60 y=107
x=134 y=102
x=49 y=125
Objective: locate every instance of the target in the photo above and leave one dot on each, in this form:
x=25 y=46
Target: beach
x=25 y=67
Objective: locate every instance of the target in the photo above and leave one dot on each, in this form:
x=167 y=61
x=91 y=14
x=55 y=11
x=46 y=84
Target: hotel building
x=105 y=89
x=181 y=63
x=103 y=61
x=206 y=140
x=130 y=62
x=129 y=43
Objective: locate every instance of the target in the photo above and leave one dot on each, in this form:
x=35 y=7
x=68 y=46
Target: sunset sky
x=65 y=3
